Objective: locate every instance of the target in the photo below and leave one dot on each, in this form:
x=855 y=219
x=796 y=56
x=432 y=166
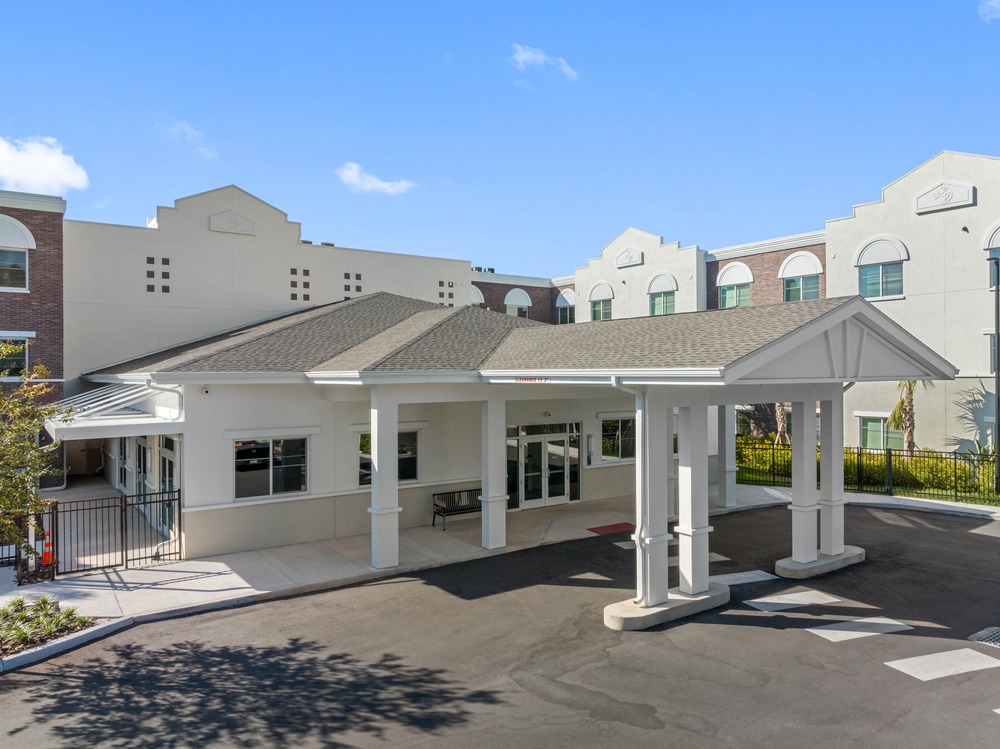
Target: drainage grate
x=988 y=636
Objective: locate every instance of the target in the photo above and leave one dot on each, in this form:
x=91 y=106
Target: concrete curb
x=55 y=647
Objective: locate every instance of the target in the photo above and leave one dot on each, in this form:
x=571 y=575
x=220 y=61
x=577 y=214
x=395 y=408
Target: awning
x=109 y=412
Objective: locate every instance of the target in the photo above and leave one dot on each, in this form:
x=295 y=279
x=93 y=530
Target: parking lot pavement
x=511 y=651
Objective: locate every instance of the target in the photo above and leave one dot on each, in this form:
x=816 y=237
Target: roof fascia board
x=807 y=239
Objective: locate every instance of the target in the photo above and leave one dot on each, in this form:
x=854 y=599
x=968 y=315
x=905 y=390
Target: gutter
x=640 y=537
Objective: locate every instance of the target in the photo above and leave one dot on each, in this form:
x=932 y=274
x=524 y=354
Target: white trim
x=890 y=298
x=871 y=414
x=768 y=245
x=884 y=248
x=274 y=433
x=566 y=298
x=734 y=274
x=403 y=426
x=662 y=282
x=17 y=334
x=32 y=202
x=615 y=415
x=800 y=258
x=597 y=289
x=510 y=280
x=517 y=298
x=991 y=241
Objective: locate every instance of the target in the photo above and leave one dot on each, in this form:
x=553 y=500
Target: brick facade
x=41 y=309
x=767 y=287
x=543 y=299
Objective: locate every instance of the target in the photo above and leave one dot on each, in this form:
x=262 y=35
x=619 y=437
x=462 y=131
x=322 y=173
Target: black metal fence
x=90 y=534
x=958 y=477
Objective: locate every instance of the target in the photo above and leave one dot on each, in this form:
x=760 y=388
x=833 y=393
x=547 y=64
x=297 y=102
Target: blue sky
x=518 y=135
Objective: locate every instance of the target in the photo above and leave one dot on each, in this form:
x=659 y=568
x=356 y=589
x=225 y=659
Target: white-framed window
x=801 y=288
x=617 y=439
x=566 y=306
x=993 y=267
x=407 y=449
x=13 y=269
x=661 y=303
x=800 y=274
x=875 y=435
x=733 y=283
x=15 y=361
x=600 y=309
x=265 y=467
x=476 y=298
x=883 y=279
x=880 y=266
x=517 y=303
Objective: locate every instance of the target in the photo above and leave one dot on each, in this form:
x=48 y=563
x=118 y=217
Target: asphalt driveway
x=511 y=651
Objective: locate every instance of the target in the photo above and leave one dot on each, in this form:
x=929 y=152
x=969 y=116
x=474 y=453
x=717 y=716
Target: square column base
x=630 y=616
x=824 y=563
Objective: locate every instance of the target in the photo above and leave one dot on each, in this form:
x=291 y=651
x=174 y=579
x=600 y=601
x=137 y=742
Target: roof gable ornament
x=232 y=223
x=629 y=257
x=946 y=195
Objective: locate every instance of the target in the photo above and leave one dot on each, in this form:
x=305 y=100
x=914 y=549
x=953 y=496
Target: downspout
x=642 y=506
x=170 y=391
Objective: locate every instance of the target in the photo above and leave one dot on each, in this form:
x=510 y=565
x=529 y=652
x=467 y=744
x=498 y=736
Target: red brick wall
x=40 y=310
x=543 y=299
x=766 y=288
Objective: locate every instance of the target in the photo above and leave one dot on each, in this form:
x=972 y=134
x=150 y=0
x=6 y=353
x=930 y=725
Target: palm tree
x=903 y=416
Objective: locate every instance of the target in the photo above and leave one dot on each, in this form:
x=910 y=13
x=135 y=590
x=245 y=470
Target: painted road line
x=741 y=578
x=876 y=625
x=791 y=600
x=939 y=665
x=630 y=545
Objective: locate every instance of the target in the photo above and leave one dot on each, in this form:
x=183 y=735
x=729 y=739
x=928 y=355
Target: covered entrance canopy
x=389 y=350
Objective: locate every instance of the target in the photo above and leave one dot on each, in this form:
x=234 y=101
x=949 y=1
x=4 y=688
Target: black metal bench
x=455 y=503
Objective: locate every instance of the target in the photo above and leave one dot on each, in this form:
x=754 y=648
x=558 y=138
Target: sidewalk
x=190 y=586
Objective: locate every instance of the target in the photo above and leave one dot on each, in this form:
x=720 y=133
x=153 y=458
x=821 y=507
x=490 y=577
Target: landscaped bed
x=25 y=624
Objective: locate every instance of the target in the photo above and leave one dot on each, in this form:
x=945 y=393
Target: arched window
x=800 y=276
x=15 y=241
x=880 y=266
x=991 y=244
x=734 y=285
x=601 y=297
x=517 y=302
x=661 y=292
x=566 y=306
x=476 y=297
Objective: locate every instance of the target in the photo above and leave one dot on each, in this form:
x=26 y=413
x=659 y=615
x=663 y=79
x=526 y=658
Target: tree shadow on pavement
x=192 y=694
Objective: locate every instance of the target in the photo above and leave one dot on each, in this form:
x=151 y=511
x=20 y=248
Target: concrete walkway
x=189 y=586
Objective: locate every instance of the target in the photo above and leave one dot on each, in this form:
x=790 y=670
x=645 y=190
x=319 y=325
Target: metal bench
x=455 y=503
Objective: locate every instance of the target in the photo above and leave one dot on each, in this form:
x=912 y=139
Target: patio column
x=385 y=507
x=804 y=507
x=692 y=527
x=831 y=473
x=727 y=456
x=654 y=431
x=494 y=457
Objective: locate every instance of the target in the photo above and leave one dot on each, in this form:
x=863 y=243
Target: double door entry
x=540 y=468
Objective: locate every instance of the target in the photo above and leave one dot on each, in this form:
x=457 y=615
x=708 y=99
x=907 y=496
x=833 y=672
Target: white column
x=804 y=507
x=727 y=456
x=385 y=477
x=494 y=489
x=831 y=473
x=653 y=460
x=692 y=477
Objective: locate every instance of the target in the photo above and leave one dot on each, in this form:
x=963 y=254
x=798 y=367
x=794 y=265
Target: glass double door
x=542 y=471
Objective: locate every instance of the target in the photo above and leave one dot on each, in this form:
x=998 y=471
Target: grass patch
x=25 y=624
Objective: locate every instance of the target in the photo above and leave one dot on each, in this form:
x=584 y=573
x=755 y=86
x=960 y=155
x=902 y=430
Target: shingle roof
x=385 y=332
x=713 y=338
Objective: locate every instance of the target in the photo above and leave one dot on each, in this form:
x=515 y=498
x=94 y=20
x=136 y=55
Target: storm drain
x=988 y=636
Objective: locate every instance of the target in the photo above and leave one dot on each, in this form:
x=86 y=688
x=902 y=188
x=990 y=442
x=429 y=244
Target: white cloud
x=989 y=10
x=358 y=180
x=187 y=133
x=39 y=165
x=526 y=56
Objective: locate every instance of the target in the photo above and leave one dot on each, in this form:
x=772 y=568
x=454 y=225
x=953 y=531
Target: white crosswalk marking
x=740 y=578
x=876 y=625
x=790 y=600
x=939 y=665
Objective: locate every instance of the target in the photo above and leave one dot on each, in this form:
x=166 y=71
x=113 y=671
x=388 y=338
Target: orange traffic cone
x=47 y=550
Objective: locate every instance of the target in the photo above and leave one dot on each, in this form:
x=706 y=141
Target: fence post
x=858 y=464
x=954 y=473
x=888 y=470
x=54 y=514
x=123 y=502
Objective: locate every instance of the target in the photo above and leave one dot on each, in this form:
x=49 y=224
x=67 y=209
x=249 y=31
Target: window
x=884 y=279
x=600 y=309
x=802 y=288
x=16 y=361
x=13 y=269
x=406 y=448
x=270 y=466
x=567 y=315
x=515 y=311
x=617 y=439
x=876 y=436
x=517 y=302
x=734 y=296
x=123 y=463
x=566 y=306
x=661 y=303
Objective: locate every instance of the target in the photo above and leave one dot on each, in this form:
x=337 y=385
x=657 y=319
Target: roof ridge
x=413 y=341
